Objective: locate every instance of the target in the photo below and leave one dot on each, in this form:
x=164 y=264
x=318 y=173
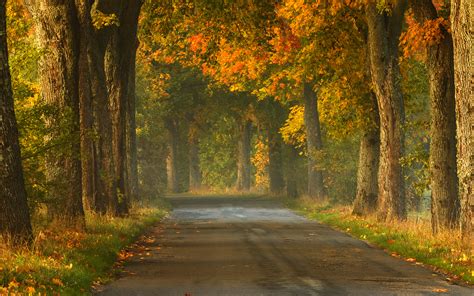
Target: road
x=254 y=246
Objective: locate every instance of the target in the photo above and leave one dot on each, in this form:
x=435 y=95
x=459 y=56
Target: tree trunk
x=57 y=31
x=243 y=156
x=462 y=27
x=119 y=55
x=173 y=180
x=194 y=165
x=15 y=225
x=444 y=183
x=89 y=172
x=132 y=164
x=291 y=172
x=275 y=162
x=314 y=142
x=383 y=37
x=92 y=55
x=367 y=186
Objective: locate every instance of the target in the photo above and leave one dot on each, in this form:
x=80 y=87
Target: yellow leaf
x=440 y=290
x=13 y=284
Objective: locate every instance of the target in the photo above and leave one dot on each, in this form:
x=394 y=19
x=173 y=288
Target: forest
x=107 y=106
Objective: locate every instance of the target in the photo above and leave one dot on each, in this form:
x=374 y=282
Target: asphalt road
x=251 y=246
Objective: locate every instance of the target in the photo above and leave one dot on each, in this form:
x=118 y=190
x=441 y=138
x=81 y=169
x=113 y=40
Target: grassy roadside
x=69 y=263
x=410 y=240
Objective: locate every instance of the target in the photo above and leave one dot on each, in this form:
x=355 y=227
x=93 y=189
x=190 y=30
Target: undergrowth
x=411 y=240
x=63 y=262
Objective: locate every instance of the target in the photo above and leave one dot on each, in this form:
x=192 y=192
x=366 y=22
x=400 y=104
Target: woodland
x=107 y=105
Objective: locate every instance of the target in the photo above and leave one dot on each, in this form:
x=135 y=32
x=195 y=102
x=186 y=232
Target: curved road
x=253 y=246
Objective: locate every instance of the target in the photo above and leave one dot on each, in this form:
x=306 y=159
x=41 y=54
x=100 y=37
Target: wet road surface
x=254 y=246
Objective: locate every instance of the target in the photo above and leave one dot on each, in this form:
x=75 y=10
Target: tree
x=444 y=182
x=367 y=170
x=384 y=28
x=15 y=225
x=243 y=156
x=57 y=31
x=313 y=141
x=462 y=26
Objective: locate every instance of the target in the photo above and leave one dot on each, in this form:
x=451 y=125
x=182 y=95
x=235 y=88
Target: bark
x=367 y=186
x=194 y=165
x=120 y=47
x=462 y=28
x=57 y=32
x=444 y=183
x=132 y=162
x=173 y=180
x=291 y=172
x=314 y=142
x=15 y=225
x=383 y=37
x=243 y=156
x=88 y=153
x=92 y=72
x=275 y=162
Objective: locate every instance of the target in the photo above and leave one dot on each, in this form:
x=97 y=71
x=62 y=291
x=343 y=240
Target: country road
x=254 y=246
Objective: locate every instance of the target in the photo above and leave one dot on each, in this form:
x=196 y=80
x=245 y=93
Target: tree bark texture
x=291 y=172
x=120 y=47
x=367 y=184
x=444 y=182
x=132 y=162
x=243 y=156
x=194 y=165
x=314 y=142
x=275 y=162
x=173 y=168
x=462 y=33
x=383 y=37
x=88 y=153
x=15 y=225
x=58 y=35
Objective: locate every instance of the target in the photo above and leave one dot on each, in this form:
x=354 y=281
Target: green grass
x=411 y=240
x=69 y=263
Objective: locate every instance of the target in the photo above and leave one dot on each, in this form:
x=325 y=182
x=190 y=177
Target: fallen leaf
x=410 y=260
x=440 y=290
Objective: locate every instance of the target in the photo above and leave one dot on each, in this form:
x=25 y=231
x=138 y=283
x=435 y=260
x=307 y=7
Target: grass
x=63 y=262
x=411 y=240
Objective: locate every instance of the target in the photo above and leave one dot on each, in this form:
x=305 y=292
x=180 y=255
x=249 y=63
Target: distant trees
x=15 y=226
x=330 y=69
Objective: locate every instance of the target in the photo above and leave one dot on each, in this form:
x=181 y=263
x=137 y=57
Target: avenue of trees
x=109 y=103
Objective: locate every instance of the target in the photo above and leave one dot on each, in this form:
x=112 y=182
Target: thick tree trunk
x=173 y=178
x=92 y=72
x=243 y=156
x=462 y=27
x=291 y=172
x=89 y=169
x=314 y=142
x=367 y=184
x=15 y=226
x=57 y=31
x=275 y=162
x=383 y=37
x=132 y=162
x=119 y=55
x=444 y=183
x=194 y=165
